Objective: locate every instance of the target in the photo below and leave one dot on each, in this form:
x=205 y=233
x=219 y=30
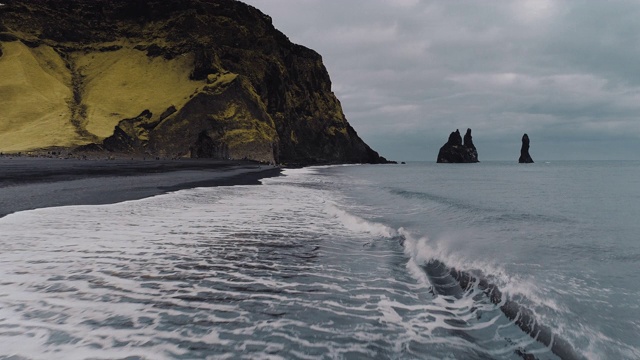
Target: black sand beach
x=31 y=183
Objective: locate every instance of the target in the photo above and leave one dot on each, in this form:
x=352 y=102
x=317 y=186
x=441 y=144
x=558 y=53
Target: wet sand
x=31 y=183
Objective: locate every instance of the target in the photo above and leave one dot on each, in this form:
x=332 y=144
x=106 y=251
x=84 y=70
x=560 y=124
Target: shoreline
x=33 y=183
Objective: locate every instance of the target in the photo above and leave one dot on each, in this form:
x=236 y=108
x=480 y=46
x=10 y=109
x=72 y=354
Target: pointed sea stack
x=525 y=158
x=454 y=151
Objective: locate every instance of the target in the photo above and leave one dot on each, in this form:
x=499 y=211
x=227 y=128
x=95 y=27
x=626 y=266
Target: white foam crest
x=357 y=224
x=421 y=250
x=293 y=175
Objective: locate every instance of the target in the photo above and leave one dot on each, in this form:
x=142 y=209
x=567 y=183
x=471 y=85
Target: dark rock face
x=525 y=158
x=468 y=139
x=124 y=138
x=455 y=151
x=206 y=147
x=292 y=115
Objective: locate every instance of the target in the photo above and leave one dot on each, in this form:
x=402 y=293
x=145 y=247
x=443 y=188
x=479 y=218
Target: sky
x=409 y=72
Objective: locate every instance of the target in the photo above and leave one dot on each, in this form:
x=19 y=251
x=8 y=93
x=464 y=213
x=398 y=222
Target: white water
x=285 y=270
x=249 y=271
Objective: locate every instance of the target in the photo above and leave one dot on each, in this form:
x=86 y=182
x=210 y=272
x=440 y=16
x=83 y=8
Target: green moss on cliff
x=219 y=82
x=121 y=84
x=34 y=97
x=332 y=130
x=228 y=115
x=240 y=88
x=249 y=131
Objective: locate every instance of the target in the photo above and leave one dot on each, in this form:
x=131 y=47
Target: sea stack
x=455 y=151
x=525 y=158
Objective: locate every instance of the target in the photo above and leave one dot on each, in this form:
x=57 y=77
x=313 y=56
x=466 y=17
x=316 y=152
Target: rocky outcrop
x=525 y=158
x=455 y=151
x=184 y=78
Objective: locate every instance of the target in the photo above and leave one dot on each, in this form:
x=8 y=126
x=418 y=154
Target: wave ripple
x=228 y=272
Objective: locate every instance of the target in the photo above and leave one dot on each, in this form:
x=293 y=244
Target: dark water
x=334 y=262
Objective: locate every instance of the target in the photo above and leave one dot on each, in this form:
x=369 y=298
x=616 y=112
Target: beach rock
x=128 y=134
x=525 y=158
x=120 y=141
x=216 y=76
x=455 y=151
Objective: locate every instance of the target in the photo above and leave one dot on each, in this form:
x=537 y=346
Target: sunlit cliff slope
x=190 y=78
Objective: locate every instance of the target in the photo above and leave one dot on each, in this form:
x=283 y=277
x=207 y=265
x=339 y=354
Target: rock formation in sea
x=525 y=158
x=455 y=151
x=190 y=78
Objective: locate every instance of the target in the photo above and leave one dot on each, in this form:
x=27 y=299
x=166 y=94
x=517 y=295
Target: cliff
x=197 y=78
x=525 y=158
x=455 y=151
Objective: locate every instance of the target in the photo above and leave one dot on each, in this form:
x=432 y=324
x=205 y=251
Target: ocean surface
x=343 y=262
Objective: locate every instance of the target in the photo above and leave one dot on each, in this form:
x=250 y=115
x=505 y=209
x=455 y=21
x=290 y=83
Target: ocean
x=494 y=260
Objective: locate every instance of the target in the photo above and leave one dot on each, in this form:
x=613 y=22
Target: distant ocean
x=335 y=263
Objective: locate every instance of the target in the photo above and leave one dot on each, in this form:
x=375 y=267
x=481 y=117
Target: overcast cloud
x=408 y=72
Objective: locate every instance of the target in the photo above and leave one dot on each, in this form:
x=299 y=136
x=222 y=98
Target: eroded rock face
x=525 y=158
x=212 y=74
x=455 y=151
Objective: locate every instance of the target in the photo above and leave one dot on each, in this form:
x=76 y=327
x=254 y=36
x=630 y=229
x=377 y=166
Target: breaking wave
x=290 y=270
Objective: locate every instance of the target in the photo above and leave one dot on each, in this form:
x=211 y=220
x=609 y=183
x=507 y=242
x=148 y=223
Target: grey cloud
x=409 y=72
